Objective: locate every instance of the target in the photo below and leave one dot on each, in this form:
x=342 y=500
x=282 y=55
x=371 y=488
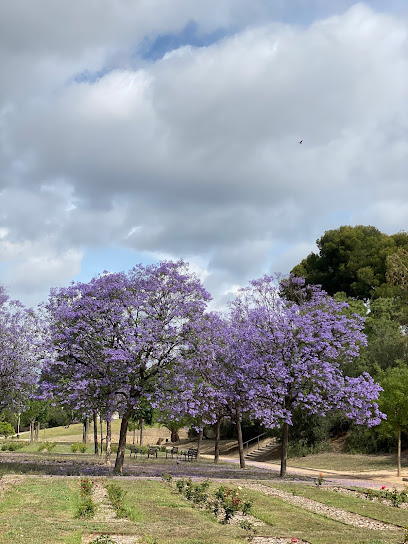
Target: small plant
x=103 y=539
x=167 y=478
x=116 y=495
x=49 y=446
x=396 y=497
x=13 y=446
x=372 y=494
x=200 y=493
x=87 y=486
x=78 y=446
x=319 y=480
x=180 y=485
x=249 y=528
x=86 y=507
x=405 y=534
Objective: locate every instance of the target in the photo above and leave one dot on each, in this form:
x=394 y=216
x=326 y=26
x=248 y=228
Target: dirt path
x=373 y=479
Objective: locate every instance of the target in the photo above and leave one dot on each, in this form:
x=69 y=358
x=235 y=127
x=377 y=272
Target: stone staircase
x=269 y=450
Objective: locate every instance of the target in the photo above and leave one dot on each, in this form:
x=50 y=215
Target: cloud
x=196 y=153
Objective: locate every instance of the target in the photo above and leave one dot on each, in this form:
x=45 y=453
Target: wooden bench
x=172 y=451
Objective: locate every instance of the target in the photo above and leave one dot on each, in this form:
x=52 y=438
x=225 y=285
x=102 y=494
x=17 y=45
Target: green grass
x=372 y=509
x=42 y=511
x=344 y=462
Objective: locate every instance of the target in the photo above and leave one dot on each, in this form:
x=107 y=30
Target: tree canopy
x=354 y=260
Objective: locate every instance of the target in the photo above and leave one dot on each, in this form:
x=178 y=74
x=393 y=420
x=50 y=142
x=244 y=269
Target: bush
x=363 y=440
x=78 y=446
x=103 y=539
x=86 y=508
x=49 y=446
x=117 y=495
x=13 y=446
x=301 y=448
x=6 y=429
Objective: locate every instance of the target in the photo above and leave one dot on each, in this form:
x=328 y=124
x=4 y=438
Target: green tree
x=393 y=402
x=352 y=260
x=6 y=429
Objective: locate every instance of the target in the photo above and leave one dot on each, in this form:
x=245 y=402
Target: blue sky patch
x=189 y=35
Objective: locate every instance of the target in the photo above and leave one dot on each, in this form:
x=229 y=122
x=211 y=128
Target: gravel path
x=104 y=508
x=331 y=512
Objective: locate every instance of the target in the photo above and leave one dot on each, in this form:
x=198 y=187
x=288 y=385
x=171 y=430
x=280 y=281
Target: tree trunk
x=141 y=425
x=108 y=440
x=31 y=431
x=100 y=423
x=85 y=431
x=134 y=433
x=217 y=441
x=95 y=430
x=399 y=451
x=285 y=442
x=284 y=454
x=175 y=437
x=36 y=431
x=200 y=438
x=239 y=436
x=120 y=457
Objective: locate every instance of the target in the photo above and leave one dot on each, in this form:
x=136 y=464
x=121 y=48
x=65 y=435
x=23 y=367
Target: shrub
x=86 y=508
x=49 y=446
x=116 y=495
x=225 y=501
x=78 y=446
x=103 y=539
x=87 y=486
x=6 y=429
x=13 y=446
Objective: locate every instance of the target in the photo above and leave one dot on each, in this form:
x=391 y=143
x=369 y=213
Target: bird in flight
x=301 y=141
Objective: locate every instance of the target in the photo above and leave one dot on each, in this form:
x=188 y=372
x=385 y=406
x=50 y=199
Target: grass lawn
x=42 y=511
x=372 y=509
x=345 y=462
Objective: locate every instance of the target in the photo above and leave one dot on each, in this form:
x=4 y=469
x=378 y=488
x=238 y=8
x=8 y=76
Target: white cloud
x=197 y=155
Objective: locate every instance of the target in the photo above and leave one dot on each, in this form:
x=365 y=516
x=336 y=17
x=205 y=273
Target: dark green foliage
x=366 y=441
x=352 y=260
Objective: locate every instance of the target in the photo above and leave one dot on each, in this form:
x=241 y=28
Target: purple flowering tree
x=19 y=352
x=213 y=384
x=294 y=341
x=114 y=337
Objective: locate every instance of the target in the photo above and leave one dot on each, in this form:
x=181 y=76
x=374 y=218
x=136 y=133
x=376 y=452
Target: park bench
x=152 y=451
x=172 y=451
x=188 y=455
x=192 y=454
x=134 y=450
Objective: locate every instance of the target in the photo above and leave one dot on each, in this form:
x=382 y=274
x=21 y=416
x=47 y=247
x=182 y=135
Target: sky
x=133 y=131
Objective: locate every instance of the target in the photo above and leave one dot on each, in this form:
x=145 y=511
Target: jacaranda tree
x=294 y=340
x=117 y=334
x=19 y=354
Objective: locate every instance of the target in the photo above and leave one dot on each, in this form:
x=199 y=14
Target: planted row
x=224 y=502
